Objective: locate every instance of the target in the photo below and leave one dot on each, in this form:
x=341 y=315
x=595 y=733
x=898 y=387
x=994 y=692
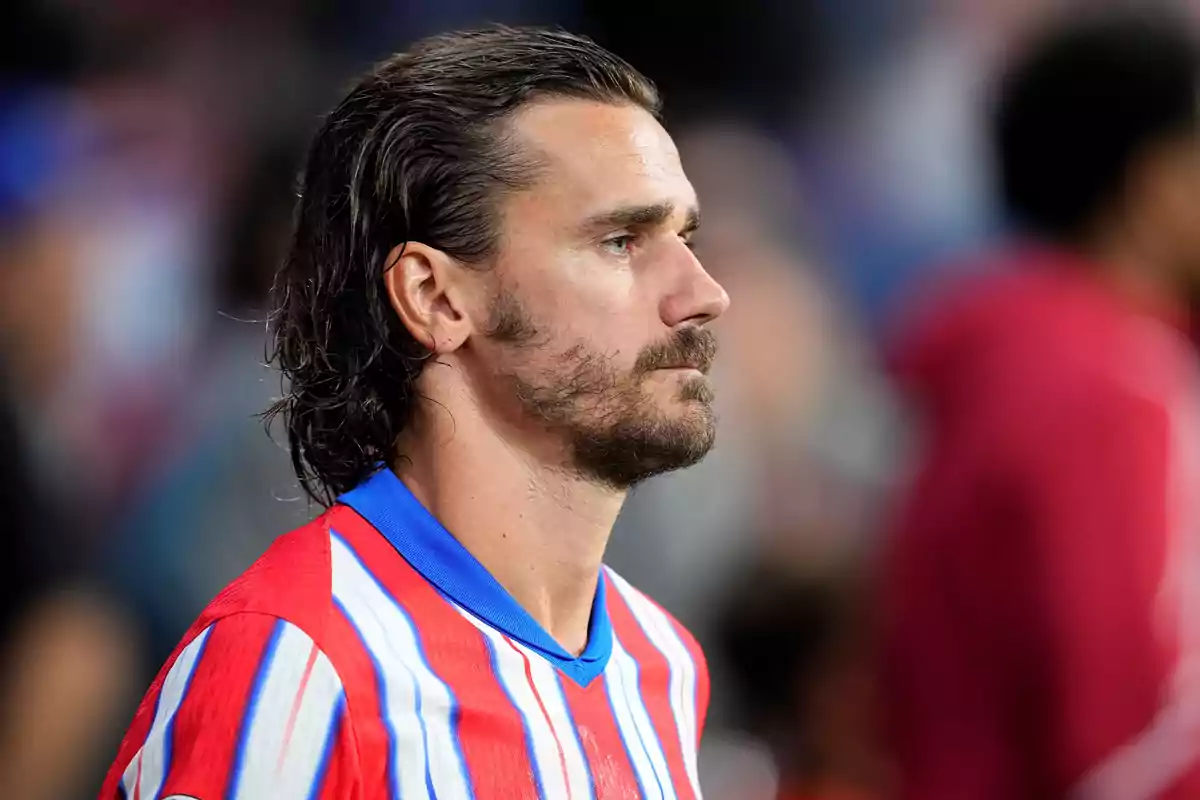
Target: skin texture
x=1147 y=242
x=569 y=368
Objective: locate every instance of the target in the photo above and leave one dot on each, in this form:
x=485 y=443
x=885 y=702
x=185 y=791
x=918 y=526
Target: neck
x=539 y=530
x=1139 y=277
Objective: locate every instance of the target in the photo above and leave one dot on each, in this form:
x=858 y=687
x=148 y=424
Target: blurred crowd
x=147 y=166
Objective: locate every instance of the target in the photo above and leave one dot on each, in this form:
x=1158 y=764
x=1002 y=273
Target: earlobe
x=422 y=286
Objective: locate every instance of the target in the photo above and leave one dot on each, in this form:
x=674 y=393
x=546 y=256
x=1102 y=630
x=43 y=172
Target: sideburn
x=508 y=321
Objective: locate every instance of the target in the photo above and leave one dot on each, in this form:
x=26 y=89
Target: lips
x=689 y=348
x=696 y=366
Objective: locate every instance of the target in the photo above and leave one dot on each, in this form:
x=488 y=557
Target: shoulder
x=290 y=581
x=248 y=700
x=1018 y=352
x=634 y=613
x=1123 y=379
x=232 y=656
x=650 y=635
x=287 y=596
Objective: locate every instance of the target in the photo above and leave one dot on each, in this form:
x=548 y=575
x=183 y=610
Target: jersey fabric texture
x=368 y=655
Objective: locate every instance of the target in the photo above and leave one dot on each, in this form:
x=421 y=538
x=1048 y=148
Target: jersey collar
x=385 y=502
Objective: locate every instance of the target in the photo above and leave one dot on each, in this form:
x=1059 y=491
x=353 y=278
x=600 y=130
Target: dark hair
x=777 y=633
x=1080 y=107
x=417 y=151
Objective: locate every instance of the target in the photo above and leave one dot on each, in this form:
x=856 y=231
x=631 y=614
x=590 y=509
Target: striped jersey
x=368 y=655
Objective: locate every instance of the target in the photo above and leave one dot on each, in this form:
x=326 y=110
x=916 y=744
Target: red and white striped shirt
x=368 y=655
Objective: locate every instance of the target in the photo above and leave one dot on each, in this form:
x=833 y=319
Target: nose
x=696 y=297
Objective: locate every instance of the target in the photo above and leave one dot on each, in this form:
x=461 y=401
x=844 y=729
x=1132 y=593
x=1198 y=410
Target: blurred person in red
x=493 y=326
x=1041 y=603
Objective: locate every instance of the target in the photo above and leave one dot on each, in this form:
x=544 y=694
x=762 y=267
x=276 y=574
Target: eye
x=621 y=245
x=688 y=241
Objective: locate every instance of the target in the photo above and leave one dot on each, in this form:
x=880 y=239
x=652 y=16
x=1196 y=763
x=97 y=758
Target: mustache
x=689 y=347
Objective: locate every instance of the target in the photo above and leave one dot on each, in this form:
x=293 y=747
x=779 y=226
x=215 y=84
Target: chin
x=643 y=446
x=697 y=389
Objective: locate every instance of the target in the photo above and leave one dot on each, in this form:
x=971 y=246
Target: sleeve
x=703 y=687
x=1113 y=516
x=950 y=612
x=1040 y=604
x=249 y=708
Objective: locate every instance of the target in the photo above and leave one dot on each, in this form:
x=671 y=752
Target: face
x=1188 y=217
x=594 y=338
x=1165 y=204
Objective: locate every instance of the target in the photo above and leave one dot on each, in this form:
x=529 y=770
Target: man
x=1043 y=582
x=491 y=321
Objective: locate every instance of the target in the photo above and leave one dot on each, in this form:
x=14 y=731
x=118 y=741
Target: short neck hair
x=418 y=150
x=1077 y=110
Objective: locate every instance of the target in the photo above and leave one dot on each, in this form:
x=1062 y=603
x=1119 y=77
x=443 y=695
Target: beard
x=616 y=432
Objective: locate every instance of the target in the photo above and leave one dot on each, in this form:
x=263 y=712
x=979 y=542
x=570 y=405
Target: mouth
x=701 y=368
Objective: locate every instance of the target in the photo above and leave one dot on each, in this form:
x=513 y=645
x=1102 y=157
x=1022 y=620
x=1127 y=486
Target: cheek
x=580 y=297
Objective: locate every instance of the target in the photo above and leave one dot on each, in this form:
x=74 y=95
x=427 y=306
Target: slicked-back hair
x=417 y=151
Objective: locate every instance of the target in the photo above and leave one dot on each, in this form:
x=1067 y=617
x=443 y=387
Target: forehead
x=596 y=156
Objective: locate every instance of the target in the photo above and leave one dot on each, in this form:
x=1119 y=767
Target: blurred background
x=148 y=153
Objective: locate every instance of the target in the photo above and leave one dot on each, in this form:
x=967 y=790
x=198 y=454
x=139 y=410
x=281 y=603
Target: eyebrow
x=641 y=216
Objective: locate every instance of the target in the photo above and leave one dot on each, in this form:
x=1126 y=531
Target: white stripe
x=413 y=696
x=546 y=682
x=662 y=635
x=276 y=762
x=510 y=669
x=633 y=720
x=1163 y=752
x=152 y=757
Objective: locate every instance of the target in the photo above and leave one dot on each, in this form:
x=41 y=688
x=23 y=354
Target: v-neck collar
x=385 y=502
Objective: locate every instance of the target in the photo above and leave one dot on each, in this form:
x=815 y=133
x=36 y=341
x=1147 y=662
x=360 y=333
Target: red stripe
x=654 y=678
x=702 y=680
x=341 y=777
x=295 y=711
x=209 y=720
x=612 y=773
x=139 y=729
x=363 y=703
x=490 y=730
x=137 y=786
x=703 y=687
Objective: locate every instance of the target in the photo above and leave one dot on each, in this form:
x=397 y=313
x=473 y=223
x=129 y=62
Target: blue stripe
x=673 y=675
x=578 y=741
x=335 y=722
x=386 y=503
x=169 y=731
x=493 y=658
x=379 y=670
x=381 y=687
x=264 y=667
x=153 y=719
x=424 y=733
x=454 y=709
x=157 y=708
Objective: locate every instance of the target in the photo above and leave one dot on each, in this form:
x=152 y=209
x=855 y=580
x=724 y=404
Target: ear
x=425 y=288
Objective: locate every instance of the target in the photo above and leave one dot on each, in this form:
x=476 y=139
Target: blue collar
x=385 y=502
